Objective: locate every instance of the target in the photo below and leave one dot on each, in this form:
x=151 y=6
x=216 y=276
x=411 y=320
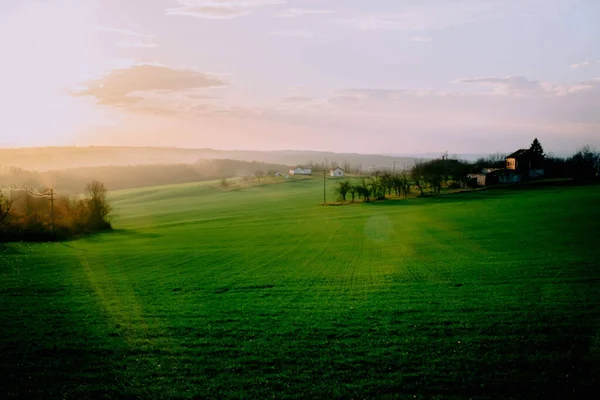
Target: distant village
x=525 y=164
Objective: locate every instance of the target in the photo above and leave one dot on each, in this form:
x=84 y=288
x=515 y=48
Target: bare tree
x=364 y=190
x=585 y=164
x=347 y=167
x=5 y=207
x=403 y=182
x=98 y=206
x=342 y=188
x=418 y=176
x=259 y=175
x=353 y=190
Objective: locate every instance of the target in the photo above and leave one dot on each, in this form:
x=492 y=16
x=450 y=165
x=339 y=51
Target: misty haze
x=299 y=199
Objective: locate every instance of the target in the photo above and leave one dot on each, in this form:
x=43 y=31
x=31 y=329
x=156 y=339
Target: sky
x=365 y=76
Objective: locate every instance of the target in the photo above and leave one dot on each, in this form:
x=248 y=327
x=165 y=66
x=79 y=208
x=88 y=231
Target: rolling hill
x=262 y=292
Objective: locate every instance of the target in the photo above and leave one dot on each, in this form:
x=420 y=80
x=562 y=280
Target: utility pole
x=394 y=168
x=325 y=183
x=52 y=208
x=26 y=200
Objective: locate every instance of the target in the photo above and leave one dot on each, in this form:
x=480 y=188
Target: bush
x=29 y=218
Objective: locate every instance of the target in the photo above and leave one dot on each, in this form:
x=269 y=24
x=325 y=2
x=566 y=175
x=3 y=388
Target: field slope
x=262 y=293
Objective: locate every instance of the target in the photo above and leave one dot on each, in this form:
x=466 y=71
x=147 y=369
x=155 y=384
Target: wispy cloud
x=581 y=65
x=296 y=33
x=297 y=12
x=297 y=99
x=433 y=15
x=137 y=43
x=119 y=31
x=218 y=9
x=138 y=40
x=512 y=85
x=421 y=39
x=519 y=86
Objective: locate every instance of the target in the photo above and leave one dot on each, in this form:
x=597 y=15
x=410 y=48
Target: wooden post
x=52 y=208
x=325 y=183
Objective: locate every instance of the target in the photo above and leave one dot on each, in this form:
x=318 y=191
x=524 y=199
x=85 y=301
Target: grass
x=262 y=293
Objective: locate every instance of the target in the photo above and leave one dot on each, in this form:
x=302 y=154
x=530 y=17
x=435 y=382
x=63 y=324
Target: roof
x=520 y=153
x=335 y=169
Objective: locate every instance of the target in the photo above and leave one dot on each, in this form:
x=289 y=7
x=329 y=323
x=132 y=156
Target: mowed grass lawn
x=264 y=293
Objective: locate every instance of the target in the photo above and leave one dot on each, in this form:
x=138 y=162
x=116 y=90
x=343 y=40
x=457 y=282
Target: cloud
x=218 y=9
x=209 y=12
x=297 y=33
x=140 y=86
x=296 y=12
x=137 y=43
x=580 y=65
x=544 y=104
x=434 y=15
x=513 y=85
x=119 y=31
x=297 y=99
x=138 y=40
x=421 y=39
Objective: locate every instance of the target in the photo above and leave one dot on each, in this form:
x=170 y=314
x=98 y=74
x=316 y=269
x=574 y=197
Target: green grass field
x=263 y=293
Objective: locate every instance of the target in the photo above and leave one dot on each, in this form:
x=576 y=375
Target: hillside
x=73 y=180
x=203 y=293
x=56 y=158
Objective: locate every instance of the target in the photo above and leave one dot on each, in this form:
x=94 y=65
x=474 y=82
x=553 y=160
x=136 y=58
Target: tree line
x=27 y=214
x=430 y=177
x=134 y=176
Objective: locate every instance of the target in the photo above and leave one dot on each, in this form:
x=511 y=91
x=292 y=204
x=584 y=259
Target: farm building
x=300 y=171
x=338 y=172
x=526 y=163
x=494 y=176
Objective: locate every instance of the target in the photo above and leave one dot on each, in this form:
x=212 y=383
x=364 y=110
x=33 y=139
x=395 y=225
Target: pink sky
x=387 y=76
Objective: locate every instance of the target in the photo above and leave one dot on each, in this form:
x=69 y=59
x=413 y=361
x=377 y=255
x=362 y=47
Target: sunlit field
x=264 y=293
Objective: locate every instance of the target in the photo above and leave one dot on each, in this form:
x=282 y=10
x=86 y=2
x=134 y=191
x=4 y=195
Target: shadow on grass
x=129 y=234
x=114 y=233
x=8 y=250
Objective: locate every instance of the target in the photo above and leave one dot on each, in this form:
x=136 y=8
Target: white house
x=336 y=172
x=300 y=171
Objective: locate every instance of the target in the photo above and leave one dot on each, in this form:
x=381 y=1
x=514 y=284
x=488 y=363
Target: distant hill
x=58 y=158
x=74 y=180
